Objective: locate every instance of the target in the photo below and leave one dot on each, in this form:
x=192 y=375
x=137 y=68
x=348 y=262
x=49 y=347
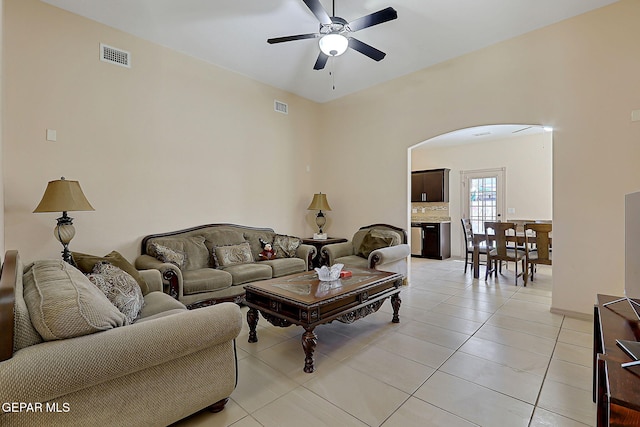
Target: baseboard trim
x=572 y=314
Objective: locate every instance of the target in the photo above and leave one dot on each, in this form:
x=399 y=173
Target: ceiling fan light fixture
x=333 y=44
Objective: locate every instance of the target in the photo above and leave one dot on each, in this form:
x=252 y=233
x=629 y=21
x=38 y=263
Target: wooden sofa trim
x=7 y=302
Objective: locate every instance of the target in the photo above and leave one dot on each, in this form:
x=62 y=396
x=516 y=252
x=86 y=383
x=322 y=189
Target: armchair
x=378 y=246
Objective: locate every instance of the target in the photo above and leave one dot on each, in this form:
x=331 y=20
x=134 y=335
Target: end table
x=319 y=260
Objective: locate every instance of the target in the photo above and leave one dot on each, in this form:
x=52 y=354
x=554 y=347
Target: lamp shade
x=319 y=203
x=333 y=44
x=63 y=196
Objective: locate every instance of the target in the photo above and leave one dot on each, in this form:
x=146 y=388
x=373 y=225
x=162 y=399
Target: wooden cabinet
x=616 y=390
x=430 y=185
x=436 y=240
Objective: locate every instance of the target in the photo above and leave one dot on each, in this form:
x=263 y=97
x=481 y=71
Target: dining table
x=519 y=238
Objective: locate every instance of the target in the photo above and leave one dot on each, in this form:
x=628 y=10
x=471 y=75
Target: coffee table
x=302 y=299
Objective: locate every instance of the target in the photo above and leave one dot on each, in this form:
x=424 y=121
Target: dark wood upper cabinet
x=430 y=185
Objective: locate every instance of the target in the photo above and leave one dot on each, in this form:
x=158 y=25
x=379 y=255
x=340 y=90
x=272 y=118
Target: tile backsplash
x=430 y=211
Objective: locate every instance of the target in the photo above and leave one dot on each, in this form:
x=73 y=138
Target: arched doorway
x=523 y=152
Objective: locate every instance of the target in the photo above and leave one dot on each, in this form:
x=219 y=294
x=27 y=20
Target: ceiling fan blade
x=292 y=38
x=318 y=11
x=365 y=49
x=321 y=61
x=375 y=18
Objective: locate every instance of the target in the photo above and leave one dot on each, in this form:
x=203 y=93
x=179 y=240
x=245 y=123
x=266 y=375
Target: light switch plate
x=51 y=135
x=635 y=116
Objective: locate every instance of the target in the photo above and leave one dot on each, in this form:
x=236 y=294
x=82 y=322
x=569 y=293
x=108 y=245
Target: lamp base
x=319 y=236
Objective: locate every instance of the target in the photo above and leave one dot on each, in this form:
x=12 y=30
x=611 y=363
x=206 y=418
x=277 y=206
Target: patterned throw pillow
x=285 y=246
x=232 y=254
x=120 y=288
x=169 y=255
x=370 y=243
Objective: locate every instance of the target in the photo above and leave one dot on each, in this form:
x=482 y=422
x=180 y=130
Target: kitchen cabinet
x=430 y=185
x=431 y=240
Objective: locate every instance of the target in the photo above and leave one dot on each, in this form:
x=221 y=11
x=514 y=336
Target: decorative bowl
x=327 y=274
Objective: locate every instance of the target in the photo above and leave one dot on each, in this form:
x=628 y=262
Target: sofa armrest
x=75 y=364
x=336 y=250
x=153 y=278
x=389 y=255
x=171 y=274
x=307 y=253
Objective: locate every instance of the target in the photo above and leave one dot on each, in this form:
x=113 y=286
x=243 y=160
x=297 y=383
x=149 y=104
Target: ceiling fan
x=335 y=33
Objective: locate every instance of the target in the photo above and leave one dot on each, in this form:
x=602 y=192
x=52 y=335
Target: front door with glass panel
x=482 y=196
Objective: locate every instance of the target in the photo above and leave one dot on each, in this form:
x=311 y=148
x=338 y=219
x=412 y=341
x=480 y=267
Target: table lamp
x=319 y=203
x=64 y=196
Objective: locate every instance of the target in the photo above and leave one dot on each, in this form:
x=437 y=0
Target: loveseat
x=208 y=264
x=71 y=361
x=378 y=246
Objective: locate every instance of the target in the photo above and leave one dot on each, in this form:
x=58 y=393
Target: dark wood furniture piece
x=468 y=238
x=479 y=240
x=320 y=259
x=430 y=185
x=301 y=299
x=435 y=239
x=498 y=235
x=537 y=247
x=616 y=390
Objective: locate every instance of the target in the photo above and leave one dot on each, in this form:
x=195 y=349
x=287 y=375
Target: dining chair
x=468 y=238
x=501 y=234
x=537 y=247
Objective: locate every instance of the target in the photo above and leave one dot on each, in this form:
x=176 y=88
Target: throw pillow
x=85 y=263
x=193 y=247
x=285 y=246
x=121 y=289
x=233 y=254
x=370 y=243
x=63 y=303
x=165 y=254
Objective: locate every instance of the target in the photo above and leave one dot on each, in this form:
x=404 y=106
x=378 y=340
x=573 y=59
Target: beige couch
x=168 y=364
x=379 y=246
x=210 y=263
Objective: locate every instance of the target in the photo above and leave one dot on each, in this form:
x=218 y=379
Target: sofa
x=378 y=246
x=73 y=361
x=210 y=263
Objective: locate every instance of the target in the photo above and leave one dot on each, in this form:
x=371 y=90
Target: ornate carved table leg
x=309 y=341
x=252 y=320
x=395 y=302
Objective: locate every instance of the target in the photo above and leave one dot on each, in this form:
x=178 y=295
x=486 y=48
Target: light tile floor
x=466 y=352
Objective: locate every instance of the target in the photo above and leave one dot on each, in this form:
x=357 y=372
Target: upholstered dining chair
x=499 y=233
x=468 y=238
x=538 y=247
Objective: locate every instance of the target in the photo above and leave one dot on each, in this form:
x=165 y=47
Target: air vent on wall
x=281 y=107
x=115 y=56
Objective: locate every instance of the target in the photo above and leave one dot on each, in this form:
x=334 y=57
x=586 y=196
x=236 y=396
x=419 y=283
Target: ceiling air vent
x=115 y=56
x=281 y=107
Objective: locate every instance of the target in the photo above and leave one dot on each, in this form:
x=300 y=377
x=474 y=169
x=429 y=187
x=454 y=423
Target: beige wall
x=527 y=160
x=579 y=76
x=172 y=142
x=175 y=142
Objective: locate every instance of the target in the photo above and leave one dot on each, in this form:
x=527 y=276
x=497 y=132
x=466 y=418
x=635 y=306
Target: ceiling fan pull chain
x=333 y=77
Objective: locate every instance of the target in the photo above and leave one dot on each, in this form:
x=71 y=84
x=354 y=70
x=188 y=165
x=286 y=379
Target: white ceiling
x=481 y=134
x=232 y=34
